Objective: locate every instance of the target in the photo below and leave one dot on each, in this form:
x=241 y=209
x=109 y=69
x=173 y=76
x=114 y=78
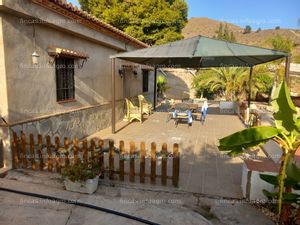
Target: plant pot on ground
x=82 y=177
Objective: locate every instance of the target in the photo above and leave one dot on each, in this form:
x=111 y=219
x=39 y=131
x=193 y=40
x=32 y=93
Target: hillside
x=207 y=27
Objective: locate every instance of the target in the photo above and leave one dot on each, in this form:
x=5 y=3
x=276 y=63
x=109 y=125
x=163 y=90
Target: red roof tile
x=70 y=11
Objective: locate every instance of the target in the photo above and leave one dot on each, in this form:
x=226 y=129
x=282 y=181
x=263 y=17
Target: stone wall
x=179 y=82
x=80 y=123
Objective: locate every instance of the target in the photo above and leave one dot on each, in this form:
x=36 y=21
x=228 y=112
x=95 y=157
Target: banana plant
x=292 y=200
x=285 y=133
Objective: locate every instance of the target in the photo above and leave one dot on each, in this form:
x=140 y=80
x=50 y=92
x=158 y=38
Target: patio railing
x=115 y=161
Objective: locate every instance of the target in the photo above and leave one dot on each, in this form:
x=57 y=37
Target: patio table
x=178 y=115
x=193 y=107
x=190 y=106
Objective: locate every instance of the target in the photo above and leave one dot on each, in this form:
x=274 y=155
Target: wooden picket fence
x=43 y=155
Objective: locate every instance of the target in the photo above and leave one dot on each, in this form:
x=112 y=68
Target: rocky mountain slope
x=207 y=27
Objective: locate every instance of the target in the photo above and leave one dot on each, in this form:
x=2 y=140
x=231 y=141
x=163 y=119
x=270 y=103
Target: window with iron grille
x=145 y=80
x=65 y=87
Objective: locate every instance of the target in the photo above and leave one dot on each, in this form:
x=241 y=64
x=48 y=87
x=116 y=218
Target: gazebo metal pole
x=249 y=94
x=113 y=96
x=155 y=88
x=287 y=69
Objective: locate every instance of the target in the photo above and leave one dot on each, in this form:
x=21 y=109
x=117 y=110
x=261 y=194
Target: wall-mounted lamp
x=51 y=61
x=121 y=72
x=80 y=62
x=35 y=56
x=135 y=73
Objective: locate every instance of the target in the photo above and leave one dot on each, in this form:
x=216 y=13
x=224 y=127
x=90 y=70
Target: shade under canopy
x=201 y=52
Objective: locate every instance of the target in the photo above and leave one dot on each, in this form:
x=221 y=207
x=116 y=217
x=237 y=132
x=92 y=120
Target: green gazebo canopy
x=201 y=52
x=198 y=52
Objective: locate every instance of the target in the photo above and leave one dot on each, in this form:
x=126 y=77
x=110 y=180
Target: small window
x=145 y=80
x=65 y=87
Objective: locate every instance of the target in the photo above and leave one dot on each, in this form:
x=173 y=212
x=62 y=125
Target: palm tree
x=233 y=82
x=228 y=81
x=262 y=80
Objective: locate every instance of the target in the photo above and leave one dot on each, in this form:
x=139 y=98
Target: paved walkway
x=203 y=169
x=157 y=205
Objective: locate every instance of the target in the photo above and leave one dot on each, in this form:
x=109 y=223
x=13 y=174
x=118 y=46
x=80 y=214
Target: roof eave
x=72 y=12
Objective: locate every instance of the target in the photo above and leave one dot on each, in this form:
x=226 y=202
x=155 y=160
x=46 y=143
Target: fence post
x=40 y=143
x=131 y=156
x=92 y=149
x=66 y=145
x=49 y=155
x=24 y=154
x=85 y=151
x=15 y=150
x=164 y=161
x=32 y=152
x=57 y=155
x=75 y=150
x=153 y=163
x=101 y=156
x=121 y=161
x=176 y=157
x=142 y=162
x=111 y=159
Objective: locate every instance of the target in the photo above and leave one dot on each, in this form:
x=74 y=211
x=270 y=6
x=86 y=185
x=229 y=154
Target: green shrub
x=82 y=171
x=161 y=85
x=297 y=59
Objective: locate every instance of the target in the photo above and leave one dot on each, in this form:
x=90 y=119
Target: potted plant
x=82 y=177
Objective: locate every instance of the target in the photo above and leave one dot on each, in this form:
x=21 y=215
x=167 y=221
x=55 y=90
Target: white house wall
x=4 y=130
x=30 y=94
x=32 y=90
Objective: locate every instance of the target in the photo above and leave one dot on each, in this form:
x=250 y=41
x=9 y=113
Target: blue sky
x=256 y=13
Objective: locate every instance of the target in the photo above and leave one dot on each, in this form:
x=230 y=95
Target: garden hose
x=72 y=202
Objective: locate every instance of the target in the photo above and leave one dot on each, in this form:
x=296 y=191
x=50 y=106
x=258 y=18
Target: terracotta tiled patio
x=203 y=169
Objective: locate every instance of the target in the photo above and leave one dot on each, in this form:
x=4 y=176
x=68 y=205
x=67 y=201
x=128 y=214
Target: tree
x=277 y=28
x=226 y=81
x=291 y=201
x=285 y=133
x=262 y=80
x=297 y=59
x=201 y=89
x=247 y=29
x=161 y=85
x=233 y=82
x=281 y=44
x=224 y=33
x=151 y=21
x=258 y=30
